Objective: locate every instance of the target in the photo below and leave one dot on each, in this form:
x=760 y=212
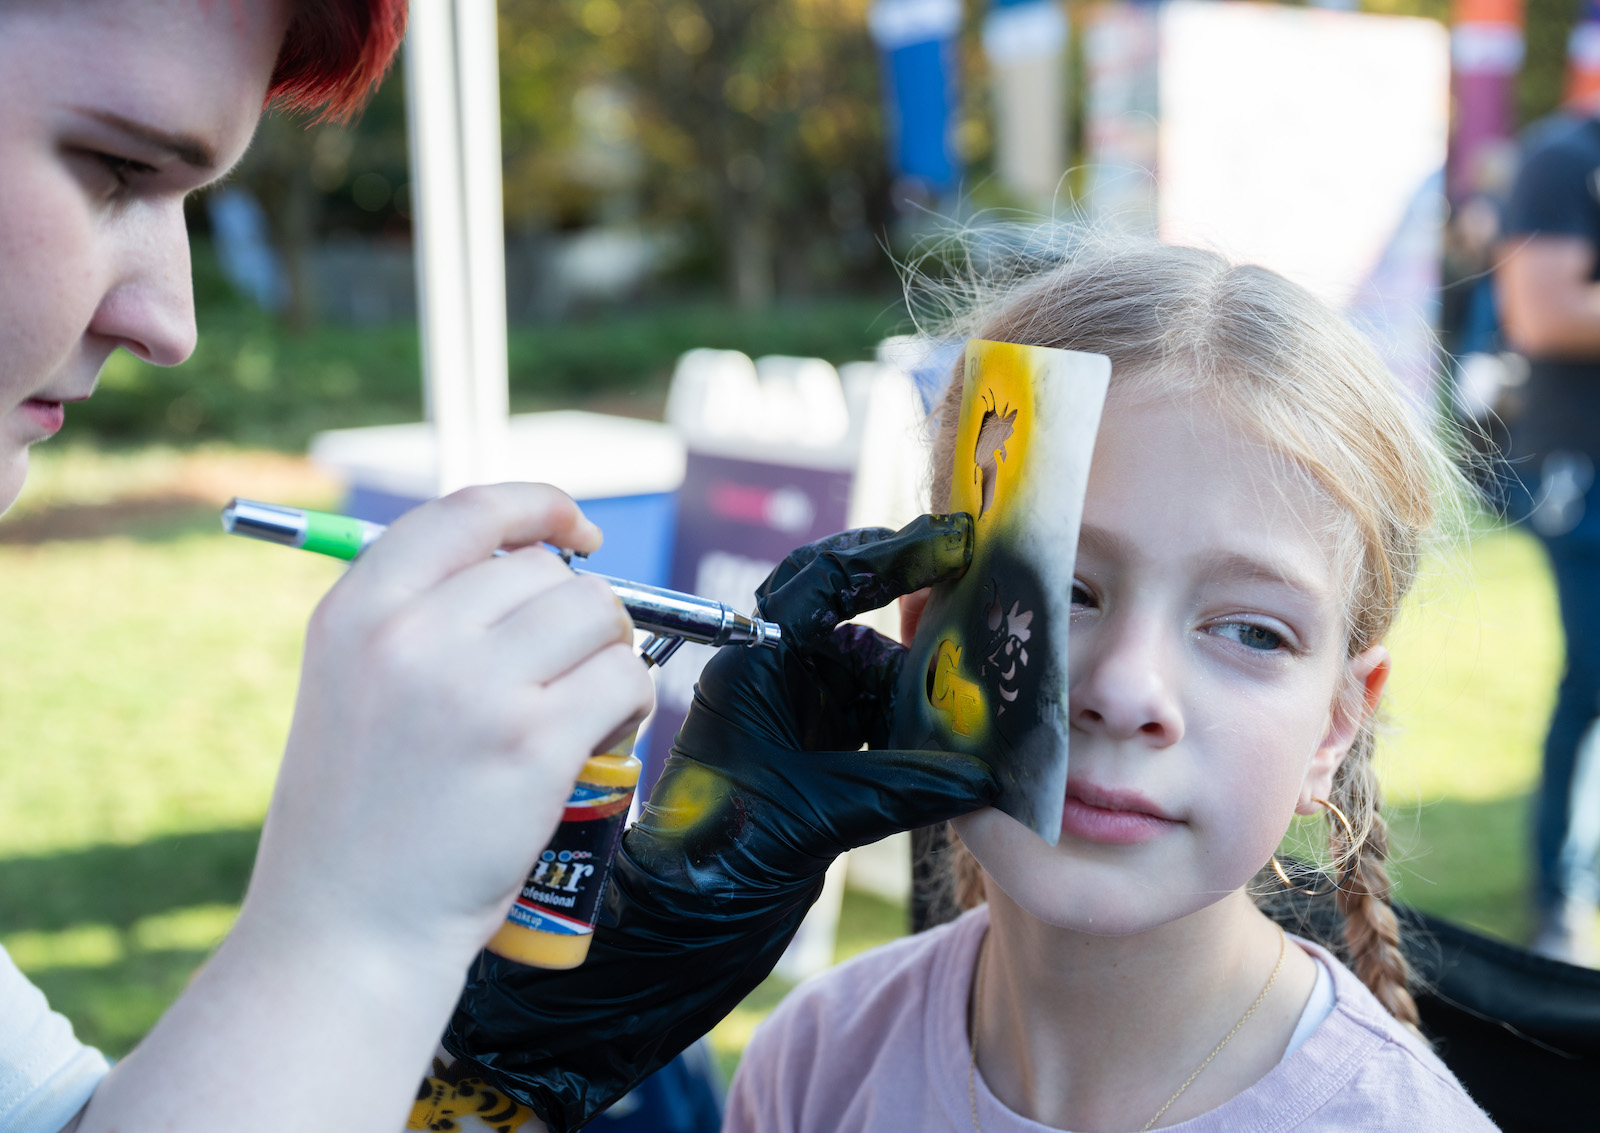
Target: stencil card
x=987 y=672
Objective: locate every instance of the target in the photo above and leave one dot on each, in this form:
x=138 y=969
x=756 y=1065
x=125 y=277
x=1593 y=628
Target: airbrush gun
x=670 y=616
x=551 y=923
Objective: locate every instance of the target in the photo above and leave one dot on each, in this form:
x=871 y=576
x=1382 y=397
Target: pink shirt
x=880 y=1044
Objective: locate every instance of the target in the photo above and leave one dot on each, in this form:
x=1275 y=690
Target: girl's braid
x=1372 y=932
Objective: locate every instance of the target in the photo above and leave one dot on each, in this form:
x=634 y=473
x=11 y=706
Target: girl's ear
x=911 y=606
x=1368 y=673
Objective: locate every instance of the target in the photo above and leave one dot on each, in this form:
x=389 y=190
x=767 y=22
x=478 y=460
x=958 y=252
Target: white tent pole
x=478 y=79
x=437 y=231
x=453 y=111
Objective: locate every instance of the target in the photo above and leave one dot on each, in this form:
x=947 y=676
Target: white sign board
x=1309 y=141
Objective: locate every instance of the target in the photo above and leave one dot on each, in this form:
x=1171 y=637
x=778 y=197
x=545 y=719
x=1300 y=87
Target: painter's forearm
x=1546 y=314
x=335 y=1038
x=1569 y=329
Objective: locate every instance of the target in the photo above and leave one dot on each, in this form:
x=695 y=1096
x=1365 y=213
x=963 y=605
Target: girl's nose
x=149 y=308
x=1123 y=686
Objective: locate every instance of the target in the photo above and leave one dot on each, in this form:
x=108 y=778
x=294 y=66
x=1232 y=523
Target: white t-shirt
x=1318 y=1008
x=46 y=1075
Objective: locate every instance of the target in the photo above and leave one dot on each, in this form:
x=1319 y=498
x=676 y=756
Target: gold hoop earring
x=1350 y=841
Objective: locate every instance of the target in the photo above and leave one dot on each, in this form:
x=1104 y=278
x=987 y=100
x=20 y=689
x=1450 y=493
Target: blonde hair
x=1187 y=323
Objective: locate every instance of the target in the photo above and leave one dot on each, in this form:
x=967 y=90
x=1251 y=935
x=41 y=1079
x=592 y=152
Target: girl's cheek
x=1252 y=803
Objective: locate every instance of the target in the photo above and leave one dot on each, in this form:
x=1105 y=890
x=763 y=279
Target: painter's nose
x=149 y=309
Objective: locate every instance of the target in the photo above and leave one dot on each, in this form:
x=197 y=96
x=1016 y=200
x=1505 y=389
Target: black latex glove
x=764 y=788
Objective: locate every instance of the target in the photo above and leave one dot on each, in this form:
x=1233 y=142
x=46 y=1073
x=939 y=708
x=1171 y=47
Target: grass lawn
x=126 y=832
x=1477 y=659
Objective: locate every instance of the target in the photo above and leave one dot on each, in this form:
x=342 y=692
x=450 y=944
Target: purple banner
x=1484 y=120
x=737 y=520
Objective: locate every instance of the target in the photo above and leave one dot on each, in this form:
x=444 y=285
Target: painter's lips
x=1116 y=818
x=48 y=415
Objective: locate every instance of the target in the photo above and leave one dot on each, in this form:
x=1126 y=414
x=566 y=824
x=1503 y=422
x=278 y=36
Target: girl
x=438 y=681
x=1257 y=500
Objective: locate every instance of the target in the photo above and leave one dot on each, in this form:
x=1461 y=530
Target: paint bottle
x=551 y=923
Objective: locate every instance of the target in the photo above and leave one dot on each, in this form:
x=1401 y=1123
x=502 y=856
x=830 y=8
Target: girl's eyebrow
x=1108 y=544
x=1249 y=568
x=187 y=148
x=1230 y=565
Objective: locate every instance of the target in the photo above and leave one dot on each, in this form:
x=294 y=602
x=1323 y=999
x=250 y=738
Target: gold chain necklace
x=977 y=1007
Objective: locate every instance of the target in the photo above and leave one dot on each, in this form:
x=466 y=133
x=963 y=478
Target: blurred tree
x=756 y=123
x=1544 y=66
x=753 y=127
x=317 y=181
x=279 y=170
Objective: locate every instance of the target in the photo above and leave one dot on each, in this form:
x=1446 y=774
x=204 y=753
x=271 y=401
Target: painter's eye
x=1252 y=636
x=110 y=175
x=123 y=169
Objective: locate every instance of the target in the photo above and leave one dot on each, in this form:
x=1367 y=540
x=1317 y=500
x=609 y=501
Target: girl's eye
x=1081 y=595
x=1252 y=636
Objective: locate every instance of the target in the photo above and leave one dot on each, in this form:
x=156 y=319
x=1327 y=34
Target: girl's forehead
x=1192 y=428
x=1177 y=474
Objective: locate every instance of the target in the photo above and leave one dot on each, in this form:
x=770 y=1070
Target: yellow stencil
x=959 y=699
x=996 y=427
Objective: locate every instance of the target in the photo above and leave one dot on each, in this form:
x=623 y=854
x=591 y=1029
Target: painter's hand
x=765 y=787
x=447 y=702
x=826 y=691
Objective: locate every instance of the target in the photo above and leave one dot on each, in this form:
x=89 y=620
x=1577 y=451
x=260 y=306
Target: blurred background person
x=1549 y=286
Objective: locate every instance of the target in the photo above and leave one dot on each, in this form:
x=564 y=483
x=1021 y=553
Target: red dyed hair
x=334 y=53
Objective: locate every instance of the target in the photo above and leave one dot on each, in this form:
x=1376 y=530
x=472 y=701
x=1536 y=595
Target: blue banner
x=918 y=41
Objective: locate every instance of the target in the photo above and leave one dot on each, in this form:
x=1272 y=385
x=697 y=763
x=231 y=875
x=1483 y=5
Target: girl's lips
x=48 y=415
x=1115 y=818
